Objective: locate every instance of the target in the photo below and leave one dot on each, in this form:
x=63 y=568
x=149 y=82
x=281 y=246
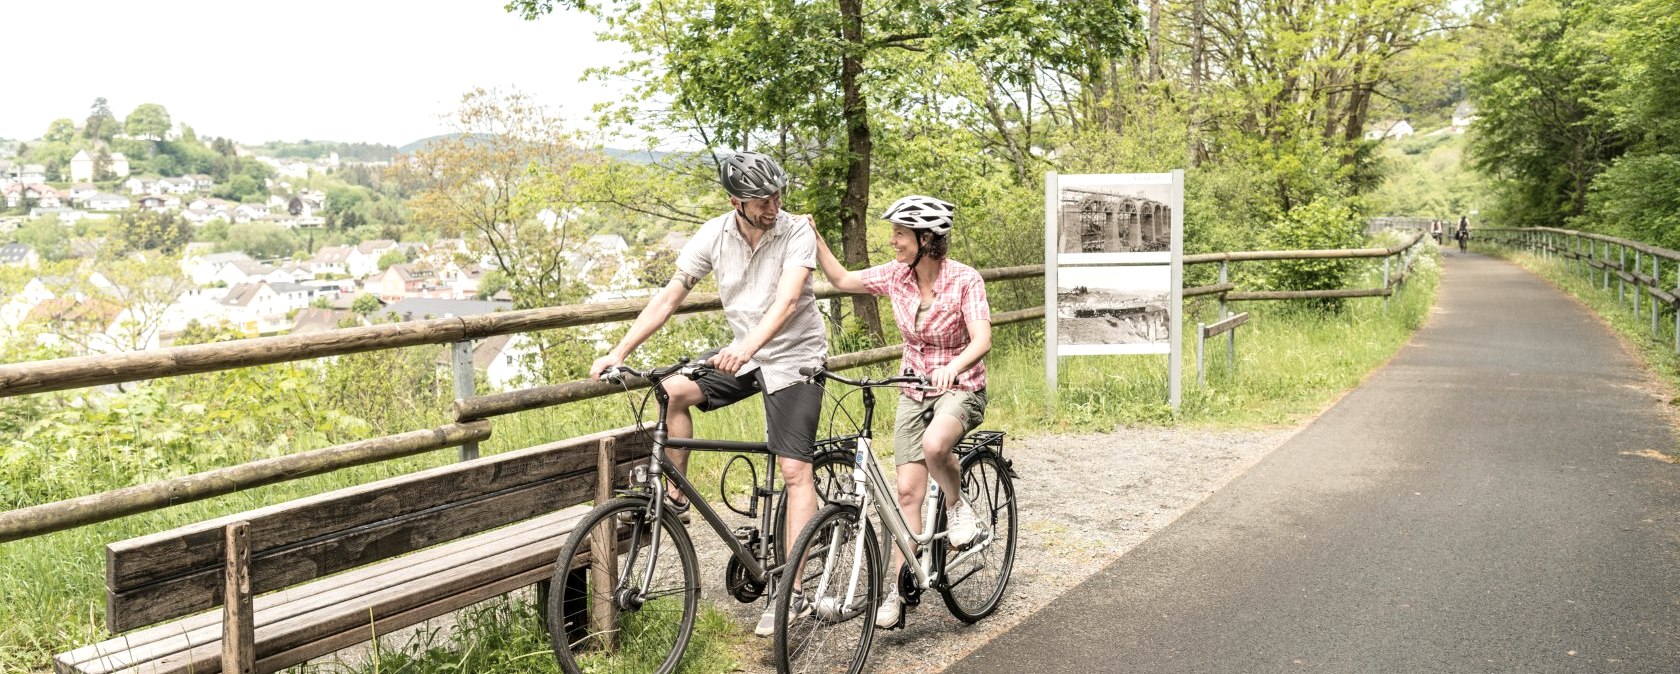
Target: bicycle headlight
x=639 y=475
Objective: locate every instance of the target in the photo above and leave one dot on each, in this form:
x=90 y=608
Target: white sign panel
x=1113 y=267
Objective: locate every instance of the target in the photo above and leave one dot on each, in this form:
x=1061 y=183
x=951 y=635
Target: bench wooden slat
x=392 y=589
x=354 y=614
x=147 y=559
x=531 y=489
x=295 y=600
x=202 y=590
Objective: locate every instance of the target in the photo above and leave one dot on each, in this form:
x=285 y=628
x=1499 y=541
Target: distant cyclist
x=762 y=258
x=1435 y=230
x=941 y=309
x=1463 y=233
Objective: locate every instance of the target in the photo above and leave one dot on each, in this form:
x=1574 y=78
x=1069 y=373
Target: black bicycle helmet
x=750 y=175
x=922 y=213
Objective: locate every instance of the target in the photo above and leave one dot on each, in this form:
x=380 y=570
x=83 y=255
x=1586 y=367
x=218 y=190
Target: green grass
x=1291 y=362
x=505 y=636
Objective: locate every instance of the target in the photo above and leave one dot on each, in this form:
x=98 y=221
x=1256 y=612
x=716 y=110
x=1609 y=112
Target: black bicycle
x=626 y=586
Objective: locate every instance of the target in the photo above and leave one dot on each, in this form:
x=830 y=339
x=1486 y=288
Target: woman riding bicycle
x=941 y=310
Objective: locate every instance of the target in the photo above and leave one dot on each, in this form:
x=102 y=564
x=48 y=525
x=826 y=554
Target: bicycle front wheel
x=826 y=600
x=973 y=581
x=598 y=617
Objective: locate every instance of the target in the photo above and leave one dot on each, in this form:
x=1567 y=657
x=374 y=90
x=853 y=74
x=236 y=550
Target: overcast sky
x=378 y=71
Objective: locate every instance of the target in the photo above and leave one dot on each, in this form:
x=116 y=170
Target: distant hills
x=639 y=156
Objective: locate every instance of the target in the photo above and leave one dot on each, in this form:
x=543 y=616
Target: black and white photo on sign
x=1114 y=218
x=1117 y=309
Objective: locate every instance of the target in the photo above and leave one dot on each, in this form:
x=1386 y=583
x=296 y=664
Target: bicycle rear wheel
x=597 y=618
x=973 y=582
x=839 y=578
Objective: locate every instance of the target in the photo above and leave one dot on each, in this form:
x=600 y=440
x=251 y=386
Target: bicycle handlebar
x=816 y=373
x=692 y=370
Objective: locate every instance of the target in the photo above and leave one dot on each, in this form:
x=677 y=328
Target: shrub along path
x=1501 y=497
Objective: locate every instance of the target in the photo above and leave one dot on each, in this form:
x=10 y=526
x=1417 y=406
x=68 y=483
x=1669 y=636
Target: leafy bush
x=1322 y=224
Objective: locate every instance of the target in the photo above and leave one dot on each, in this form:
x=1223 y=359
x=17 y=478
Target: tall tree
x=149 y=121
x=101 y=124
x=60 y=131
x=145 y=285
x=503 y=179
x=1543 y=133
x=806 y=81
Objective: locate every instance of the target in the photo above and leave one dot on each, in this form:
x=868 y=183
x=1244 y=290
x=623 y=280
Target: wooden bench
x=338 y=566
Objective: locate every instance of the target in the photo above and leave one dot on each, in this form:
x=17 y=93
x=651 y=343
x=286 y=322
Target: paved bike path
x=1480 y=504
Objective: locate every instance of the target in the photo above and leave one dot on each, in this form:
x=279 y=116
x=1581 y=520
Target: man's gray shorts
x=790 y=414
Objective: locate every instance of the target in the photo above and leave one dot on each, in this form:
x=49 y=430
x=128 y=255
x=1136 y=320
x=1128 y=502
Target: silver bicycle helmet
x=922 y=213
x=750 y=175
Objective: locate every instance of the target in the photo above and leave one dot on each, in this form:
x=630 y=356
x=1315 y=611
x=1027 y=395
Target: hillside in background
x=1426 y=177
x=637 y=156
x=320 y=149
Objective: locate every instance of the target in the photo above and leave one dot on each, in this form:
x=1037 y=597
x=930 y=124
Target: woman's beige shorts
x=967 y=407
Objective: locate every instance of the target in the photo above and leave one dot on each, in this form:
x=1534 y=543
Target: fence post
x=461 y=357
x=1386 y=290
x=1621 y=267
x=1606 y=265
x=1201 y=344
x=1224 y=310
x=1575 y=245
x=1638 y=266
x=1656 y=280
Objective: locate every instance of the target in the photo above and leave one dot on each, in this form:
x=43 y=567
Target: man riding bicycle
x=762 y=257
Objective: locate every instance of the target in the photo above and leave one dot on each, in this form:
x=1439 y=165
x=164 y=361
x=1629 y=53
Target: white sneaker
x=797 y=606
x=960 y=528
x=766 y=623
x=891 y=611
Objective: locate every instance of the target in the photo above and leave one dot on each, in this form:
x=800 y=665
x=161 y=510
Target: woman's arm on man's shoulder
x=838 y=275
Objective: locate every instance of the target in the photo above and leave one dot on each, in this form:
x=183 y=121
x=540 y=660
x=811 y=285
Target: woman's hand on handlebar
x=941 y=378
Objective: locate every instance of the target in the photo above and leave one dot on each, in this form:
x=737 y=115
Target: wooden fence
x=472 y=413
x=1598 y=258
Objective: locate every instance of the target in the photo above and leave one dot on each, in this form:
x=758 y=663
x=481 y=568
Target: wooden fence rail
x=84 y=371
x=471 y=413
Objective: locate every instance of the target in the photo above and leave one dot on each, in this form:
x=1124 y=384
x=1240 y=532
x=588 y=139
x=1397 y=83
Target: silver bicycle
x=825 y=617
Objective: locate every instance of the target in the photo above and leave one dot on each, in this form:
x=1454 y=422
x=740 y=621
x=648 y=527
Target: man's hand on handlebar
x=602 y=366
x=730 y=359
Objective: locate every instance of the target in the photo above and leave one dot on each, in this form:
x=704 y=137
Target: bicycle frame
x=660 y=469
x=875 y=494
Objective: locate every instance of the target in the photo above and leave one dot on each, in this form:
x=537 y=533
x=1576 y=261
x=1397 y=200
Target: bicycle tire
x=659 y=628
x=819 y=641
x=973 y=588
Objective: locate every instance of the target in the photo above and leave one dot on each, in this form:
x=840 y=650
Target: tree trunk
x=854 y=205
x=1154 y=40
x=1198 y=51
